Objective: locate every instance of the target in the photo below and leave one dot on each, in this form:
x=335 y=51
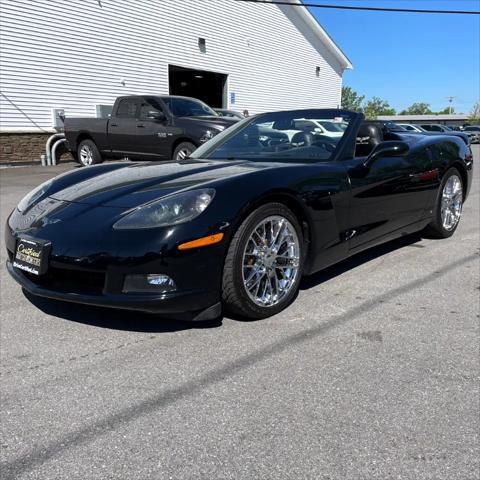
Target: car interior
x=371 y=134
x=281 y=138
x=285 y=137
x=368 y=137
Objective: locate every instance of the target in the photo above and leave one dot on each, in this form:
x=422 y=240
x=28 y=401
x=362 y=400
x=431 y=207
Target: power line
x=370 y=9
x=23 y=113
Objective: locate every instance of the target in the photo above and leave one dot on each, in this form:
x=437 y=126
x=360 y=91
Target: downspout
x=48 y=146
x=59 y=142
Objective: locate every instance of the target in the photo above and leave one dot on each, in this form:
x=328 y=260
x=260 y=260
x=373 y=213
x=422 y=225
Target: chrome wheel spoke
x=451 y=203
x=271 y=261
x=86 y=156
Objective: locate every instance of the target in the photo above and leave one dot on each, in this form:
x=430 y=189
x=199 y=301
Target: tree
x=475 y=114
x=376 y=106
x=419 y=108
x=351 y=100
x=446 y=111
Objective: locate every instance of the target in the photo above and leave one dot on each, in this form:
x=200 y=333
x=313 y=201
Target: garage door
x=209 y=87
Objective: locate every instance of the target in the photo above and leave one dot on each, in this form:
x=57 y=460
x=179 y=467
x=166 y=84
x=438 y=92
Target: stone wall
x=18 y=148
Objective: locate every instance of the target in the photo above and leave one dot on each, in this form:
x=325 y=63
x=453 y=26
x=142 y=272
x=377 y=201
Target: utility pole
x=450 y=100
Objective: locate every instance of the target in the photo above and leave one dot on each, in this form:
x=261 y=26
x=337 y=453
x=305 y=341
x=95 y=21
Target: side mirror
x=391 y=148
x=156 y=116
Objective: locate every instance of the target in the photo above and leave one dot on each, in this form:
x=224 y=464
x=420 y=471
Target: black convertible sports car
x=239 y=222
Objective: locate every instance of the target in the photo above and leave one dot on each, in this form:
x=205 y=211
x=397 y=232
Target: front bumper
x=88 y=265
x=183 y=305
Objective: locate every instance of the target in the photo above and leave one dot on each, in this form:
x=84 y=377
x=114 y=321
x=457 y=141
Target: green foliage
x=354 y=102
x=446 y=111
x=475 y=114
x=419 y=108
x=351 y=100
x=376 y=106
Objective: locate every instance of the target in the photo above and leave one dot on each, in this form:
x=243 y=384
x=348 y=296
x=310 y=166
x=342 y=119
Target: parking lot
x=371 y=374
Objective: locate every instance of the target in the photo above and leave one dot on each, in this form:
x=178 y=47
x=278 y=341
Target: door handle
x=114 y=125
x=140 y=125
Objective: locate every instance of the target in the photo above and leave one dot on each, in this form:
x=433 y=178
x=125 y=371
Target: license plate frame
x=32 y=255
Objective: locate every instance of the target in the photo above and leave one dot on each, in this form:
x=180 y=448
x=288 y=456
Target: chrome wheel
x=183 y=154
x=86 y=155
x=452 y=201
x=271 y=261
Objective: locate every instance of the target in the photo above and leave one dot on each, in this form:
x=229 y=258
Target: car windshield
x=188 y=107
x=278 y=136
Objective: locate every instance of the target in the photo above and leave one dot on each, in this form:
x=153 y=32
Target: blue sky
x=407 y=57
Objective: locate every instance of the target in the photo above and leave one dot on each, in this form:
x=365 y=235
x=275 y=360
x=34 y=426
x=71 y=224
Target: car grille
x=66 y=280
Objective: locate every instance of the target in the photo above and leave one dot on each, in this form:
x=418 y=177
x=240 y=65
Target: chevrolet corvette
x=235 y=226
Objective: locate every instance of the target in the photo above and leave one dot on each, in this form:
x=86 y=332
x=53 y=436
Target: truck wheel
x=88 y=153
x=184 y=150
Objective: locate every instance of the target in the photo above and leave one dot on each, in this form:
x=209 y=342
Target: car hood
x=219 y=122
x=139 y=183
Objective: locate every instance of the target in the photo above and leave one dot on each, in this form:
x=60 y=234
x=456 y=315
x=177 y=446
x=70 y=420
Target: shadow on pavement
x=360 y=259
x=114 y=319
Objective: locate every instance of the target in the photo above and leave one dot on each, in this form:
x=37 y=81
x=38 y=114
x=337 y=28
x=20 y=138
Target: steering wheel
x=325 y=142
x=301 y=139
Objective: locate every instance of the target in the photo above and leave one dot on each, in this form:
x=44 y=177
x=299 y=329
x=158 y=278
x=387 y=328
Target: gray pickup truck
x=145 y=127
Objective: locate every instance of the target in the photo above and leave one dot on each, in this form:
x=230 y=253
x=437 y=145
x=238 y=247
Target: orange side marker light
x=202 y=242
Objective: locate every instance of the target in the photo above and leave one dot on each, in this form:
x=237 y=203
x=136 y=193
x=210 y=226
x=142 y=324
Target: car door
x=122 y=128
x=388 y=195
x=154 y=134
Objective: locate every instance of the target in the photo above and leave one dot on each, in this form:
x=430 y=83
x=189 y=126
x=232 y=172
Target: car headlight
x=172 y=210
x=208 y=135
x=30 y=198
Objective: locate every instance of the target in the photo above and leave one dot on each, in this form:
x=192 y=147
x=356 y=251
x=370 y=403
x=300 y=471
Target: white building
x=76 y=55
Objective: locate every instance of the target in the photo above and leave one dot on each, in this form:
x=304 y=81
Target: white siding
x=73 y=54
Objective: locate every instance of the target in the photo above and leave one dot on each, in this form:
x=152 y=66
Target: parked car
x=223 y=112
x=145 y=127
x=433 y=127
x=317 y=128
x=325 y=127
x=410 y=127
x=240 y=223
x=443 y=129
x=474 y=132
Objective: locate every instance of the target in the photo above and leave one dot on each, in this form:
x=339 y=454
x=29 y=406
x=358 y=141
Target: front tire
x=263 y=266
x=448 y=207
x=183 y=151
x=88 y=153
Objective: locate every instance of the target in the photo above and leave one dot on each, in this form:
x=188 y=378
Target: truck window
x=127 y=108
x=147 y=107
x=188 y=107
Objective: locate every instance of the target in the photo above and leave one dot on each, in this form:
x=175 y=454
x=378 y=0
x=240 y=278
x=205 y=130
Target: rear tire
x=184 y=150
x=88 y=153
x=264 y=262
x=448 y=206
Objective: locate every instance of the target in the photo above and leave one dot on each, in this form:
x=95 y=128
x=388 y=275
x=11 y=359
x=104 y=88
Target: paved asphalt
x=371 y=374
